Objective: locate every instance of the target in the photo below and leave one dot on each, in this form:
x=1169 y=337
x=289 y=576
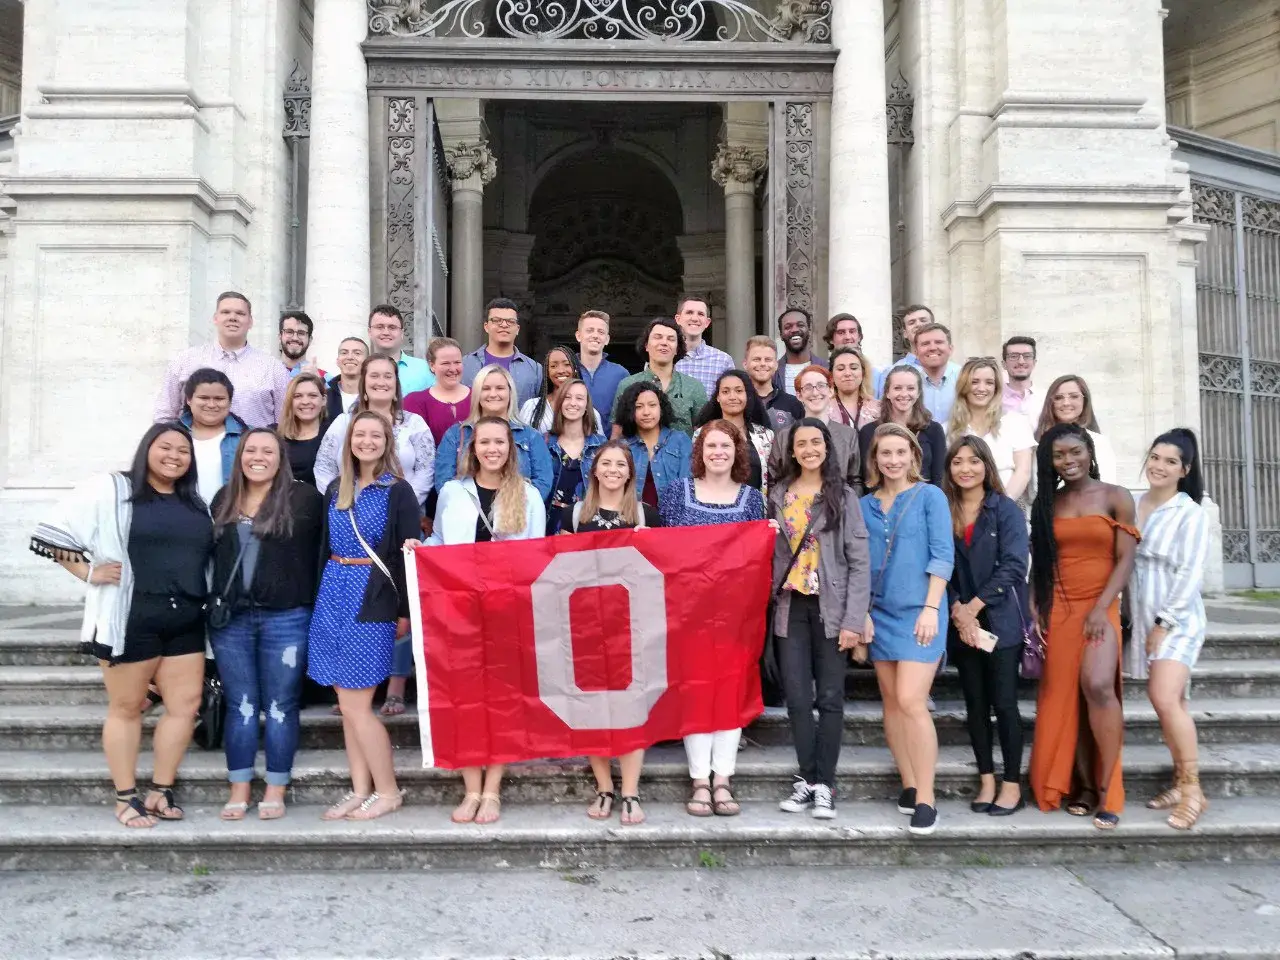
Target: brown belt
x=351 y=561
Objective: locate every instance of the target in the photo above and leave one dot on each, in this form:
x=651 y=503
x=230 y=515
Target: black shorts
x=159 y=626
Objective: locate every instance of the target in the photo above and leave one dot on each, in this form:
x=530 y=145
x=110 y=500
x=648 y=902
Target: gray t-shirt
x=250 y=545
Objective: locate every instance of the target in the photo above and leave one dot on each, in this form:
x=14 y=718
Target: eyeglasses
x=814 y=389
x=385 y=327
x=503 y=322
x=1019 y=356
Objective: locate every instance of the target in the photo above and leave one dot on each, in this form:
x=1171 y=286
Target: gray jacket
x=844 y=569
x=847 y=451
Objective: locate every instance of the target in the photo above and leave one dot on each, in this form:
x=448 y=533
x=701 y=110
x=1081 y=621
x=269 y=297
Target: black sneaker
x=907 y=801
x=924 y=821
x=824 y=805
x=801 y=798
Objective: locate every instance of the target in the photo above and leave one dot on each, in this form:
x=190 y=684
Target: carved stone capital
x=467 y=160
x=900 y=109
x=738 y=163
x=297 y=103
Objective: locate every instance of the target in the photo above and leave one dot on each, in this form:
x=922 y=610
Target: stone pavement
x=1190 y=912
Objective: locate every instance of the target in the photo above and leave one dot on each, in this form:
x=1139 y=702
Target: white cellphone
x=987 y=640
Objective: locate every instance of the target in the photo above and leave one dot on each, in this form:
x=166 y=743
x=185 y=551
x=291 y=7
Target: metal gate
x=1238 y=313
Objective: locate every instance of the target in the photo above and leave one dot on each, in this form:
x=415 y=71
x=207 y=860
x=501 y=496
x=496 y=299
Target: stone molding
x=738 y=163
x=900 y=111
x=793 y=21
x=297 y=103
x=467 y=160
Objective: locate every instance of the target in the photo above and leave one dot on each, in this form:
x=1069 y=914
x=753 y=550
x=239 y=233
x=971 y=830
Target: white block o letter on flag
x=623 y=567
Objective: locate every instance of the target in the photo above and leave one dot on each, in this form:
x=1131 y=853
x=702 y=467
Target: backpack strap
x=577 y=515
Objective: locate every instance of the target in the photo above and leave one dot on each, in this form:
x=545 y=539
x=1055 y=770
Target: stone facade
x=1022 y=183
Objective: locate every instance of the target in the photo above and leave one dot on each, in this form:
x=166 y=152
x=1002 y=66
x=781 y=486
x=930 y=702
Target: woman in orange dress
x=1083 y=542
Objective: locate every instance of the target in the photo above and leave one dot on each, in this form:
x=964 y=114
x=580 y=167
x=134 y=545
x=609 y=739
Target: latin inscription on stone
x=602 y=80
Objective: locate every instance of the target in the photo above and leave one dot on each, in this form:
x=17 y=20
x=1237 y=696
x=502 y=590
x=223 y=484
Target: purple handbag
x=1033 y=647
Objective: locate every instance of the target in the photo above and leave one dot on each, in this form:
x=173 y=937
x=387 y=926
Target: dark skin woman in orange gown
x=1083 y=546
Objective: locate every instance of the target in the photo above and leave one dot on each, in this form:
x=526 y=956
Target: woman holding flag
x=491 y=501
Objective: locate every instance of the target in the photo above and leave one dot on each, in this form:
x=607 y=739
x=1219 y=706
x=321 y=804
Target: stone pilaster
x=738 y=169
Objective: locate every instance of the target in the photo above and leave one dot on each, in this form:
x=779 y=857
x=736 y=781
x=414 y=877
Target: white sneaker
x=824 y=805
x=801 y=798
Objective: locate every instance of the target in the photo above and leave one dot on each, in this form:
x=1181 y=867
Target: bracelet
x=934 y=609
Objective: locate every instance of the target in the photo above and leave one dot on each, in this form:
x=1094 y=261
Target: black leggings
x=813 y=675
x=990 y=681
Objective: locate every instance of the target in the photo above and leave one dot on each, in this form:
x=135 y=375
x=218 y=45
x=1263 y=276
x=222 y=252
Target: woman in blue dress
x=718 y=492
x=912 y=553
x=363 y=604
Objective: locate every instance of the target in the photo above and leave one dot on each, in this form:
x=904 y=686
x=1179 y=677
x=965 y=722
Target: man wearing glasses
x=1019 y=355
x=386 y=335
x=501 y=326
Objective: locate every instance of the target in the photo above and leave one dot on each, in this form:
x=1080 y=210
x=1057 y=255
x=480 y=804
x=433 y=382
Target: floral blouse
x=797 y=511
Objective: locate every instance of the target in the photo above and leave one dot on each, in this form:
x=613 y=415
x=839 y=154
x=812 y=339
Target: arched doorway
x=605 y=223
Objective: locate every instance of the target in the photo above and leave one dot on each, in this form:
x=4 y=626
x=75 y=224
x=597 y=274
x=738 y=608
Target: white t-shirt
x=1015 y=435
x=348 y=400
x=789 y=373
x=208 y=454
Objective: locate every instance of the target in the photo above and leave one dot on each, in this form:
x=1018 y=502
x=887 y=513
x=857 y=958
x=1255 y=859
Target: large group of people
x=923 y=510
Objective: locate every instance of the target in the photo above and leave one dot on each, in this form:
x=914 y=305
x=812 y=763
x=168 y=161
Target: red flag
x=597 y=643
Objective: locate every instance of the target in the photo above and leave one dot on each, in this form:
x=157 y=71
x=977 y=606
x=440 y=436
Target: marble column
x=737 y=168
x=859 y=262
x=338 y=264
x=471 y=167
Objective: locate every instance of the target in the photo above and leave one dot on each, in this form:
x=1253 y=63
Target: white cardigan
x=457 y=513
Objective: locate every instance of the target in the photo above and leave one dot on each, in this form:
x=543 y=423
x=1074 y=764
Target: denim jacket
x=534 y=460
x=671 y=459
x=589 y=448
x=235 y=428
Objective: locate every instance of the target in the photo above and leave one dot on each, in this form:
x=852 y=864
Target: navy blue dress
x=680 y=506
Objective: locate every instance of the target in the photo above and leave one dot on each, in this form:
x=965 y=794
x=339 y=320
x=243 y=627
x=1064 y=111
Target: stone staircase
x=55 y=791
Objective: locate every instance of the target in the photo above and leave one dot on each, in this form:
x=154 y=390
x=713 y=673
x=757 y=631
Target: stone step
x=560 y=837
x=1218 y=721
x=764 y=774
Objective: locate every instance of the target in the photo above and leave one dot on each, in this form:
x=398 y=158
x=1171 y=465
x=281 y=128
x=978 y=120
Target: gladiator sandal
x=1192 y=801
x=1170 y=798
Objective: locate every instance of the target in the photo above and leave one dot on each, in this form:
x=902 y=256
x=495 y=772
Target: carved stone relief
x=400 y=140
x=738 y=163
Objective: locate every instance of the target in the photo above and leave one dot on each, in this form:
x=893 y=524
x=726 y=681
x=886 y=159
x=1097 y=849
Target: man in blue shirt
x=501 y=327
x=295 y=340
x=916 y=317
x=599 y=373
x=386 y=336
x=933 y=349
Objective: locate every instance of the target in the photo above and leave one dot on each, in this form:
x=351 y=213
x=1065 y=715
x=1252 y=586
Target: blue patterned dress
x=682 y=508
x=342 y=650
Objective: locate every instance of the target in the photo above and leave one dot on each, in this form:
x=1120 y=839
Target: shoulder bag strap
x=488 y=524
x=377 y=560
x=235 y=568
x=893 y=536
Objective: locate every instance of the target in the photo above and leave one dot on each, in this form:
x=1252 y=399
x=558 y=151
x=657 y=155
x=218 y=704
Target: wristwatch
x=1166 y=624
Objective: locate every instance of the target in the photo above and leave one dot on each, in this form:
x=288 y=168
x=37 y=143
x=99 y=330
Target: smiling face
x=233 y=321
x=902 y=390
x=982 y=387
x=933 y=349
x=593 y=335
x=693 y=318
x=648 y=411
x=611 y=470
x=368 y=439
x=846 y=334
x=662 y=345
x=847 y=373
x=815 y=394
x=495 y=396
x=1019 y=361
x=762 y=364
x=387 y=334
x=893 y=457
x=169 y=457
x=1165 y=467
x=447 y=366
x=1068 y=402
x=295 y=341
x=501 y=326
x=795 y=332
x=732 y=397
x=380 y=382
x=260 y=459
x=210 y=403
x=559 y=368
x=351 y=354
x=307 y=402
x=912 y=322
x=492 y=446
x=808 y=447
x=967 y=469
x=1070 y=458
x=718 y=453
x=574 y=403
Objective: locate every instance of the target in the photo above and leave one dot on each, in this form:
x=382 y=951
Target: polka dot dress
x=343 y=651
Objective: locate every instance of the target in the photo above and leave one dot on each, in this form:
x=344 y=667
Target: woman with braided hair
x=1083 y=542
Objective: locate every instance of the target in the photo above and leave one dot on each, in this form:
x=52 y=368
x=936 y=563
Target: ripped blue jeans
x=262 y=657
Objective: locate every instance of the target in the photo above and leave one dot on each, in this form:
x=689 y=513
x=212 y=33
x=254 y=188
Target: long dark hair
x=185 y=487
x=831 y=496
x=754 y=413
x=627 y=407
x=1044 y=546
x=920 y=416
x=548 y=388
x=1184 y=439
x=274 y=518
x=991 y=481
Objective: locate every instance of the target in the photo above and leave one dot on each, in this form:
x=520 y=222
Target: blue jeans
x=262 y=656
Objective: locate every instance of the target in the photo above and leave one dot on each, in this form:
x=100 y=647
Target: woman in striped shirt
x=1168 y=611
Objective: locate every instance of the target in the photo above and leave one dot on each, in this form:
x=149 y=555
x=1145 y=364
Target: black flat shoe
x=978 y=806
x=907 y=801
x=999 y=811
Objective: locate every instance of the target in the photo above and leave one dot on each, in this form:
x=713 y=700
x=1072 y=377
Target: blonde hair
x=509 y=503
x=893 y=430
x=440 y=343
x=513 y=400
x=594 y=315
x=349 y=466
x=630 y=512
x=962 y=413
x=759 y=340
x=288 y=420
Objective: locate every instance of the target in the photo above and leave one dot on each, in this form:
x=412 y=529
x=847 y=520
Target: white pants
x=708 y=752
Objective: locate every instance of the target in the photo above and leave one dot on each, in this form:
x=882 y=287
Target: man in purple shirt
x=701 y=361
x=501 y=327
